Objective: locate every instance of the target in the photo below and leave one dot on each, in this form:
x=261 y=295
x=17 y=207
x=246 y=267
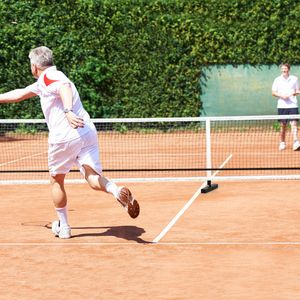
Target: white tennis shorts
x=82 y=151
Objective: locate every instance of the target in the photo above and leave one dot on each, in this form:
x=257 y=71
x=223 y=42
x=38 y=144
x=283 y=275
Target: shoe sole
x=133 y=209
x=65 y=236
x=128 y=202
x=297 y=148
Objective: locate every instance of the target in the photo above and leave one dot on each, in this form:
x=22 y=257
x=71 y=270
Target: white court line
x=187 y=205
x=22 y=158
x=67 y=243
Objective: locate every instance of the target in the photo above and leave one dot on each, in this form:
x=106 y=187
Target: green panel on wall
x=240 y=90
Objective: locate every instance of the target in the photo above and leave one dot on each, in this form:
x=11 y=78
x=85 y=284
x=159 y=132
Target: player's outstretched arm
x=16 y=96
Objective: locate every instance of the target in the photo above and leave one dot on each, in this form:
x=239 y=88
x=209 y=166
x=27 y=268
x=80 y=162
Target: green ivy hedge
x=141 y=58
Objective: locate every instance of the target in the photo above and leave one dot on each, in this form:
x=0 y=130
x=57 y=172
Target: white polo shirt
x=47 y=88
x=286 y=87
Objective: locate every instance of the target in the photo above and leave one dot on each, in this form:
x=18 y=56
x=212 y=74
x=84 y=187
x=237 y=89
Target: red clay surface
x=241 y=241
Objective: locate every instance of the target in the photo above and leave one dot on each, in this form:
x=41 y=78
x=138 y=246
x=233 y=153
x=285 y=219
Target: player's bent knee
x=93 y=181
x=57 y=179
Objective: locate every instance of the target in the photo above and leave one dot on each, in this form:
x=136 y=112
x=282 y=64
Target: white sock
x=112 y=188
x=62 y=214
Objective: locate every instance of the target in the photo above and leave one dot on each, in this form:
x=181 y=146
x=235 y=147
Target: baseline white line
x=187 y=205
x=230 y=243
x=67 y=243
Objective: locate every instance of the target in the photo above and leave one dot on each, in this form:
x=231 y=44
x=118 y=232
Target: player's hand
x=296 y=93
x=286 y=97
x=289 y=96
x=74 y=120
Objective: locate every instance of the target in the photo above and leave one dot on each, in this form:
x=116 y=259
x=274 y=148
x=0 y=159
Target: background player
x=285 y=87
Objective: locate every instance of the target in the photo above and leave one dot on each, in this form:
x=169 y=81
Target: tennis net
x=160 y=149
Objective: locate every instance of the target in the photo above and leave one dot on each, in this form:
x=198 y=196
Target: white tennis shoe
x=62 y=232
x=282 y=146
x=296 y=146
x=128 y=202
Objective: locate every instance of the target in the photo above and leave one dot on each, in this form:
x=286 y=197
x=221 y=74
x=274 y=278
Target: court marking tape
x=187 y=205
x=67 y=243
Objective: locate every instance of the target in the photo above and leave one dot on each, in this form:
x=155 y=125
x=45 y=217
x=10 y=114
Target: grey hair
x=42 y=57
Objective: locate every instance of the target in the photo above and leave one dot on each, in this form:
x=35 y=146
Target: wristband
x=66 y=110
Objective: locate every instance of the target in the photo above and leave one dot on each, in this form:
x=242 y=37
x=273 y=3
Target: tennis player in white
x=72 y=136
x=286 y=88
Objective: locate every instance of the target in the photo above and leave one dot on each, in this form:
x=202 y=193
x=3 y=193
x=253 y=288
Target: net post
x=210 y=186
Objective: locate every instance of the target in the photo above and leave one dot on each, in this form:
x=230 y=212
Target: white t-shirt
x=286 y=87
x=47 y=88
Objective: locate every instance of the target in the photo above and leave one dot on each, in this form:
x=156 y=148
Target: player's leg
x=282 y=123
x=61 y=227
x=282 y=144
x=294 y=128
x=58 y=192
x=97 y=181
x=122 y=194
x=61 y=158
x=91 y=168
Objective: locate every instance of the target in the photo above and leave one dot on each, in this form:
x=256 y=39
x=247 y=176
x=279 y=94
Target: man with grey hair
x=72 y=136
x=41 y=57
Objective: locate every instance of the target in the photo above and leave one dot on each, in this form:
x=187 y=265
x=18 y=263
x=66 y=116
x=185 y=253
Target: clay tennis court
x=240 y=241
